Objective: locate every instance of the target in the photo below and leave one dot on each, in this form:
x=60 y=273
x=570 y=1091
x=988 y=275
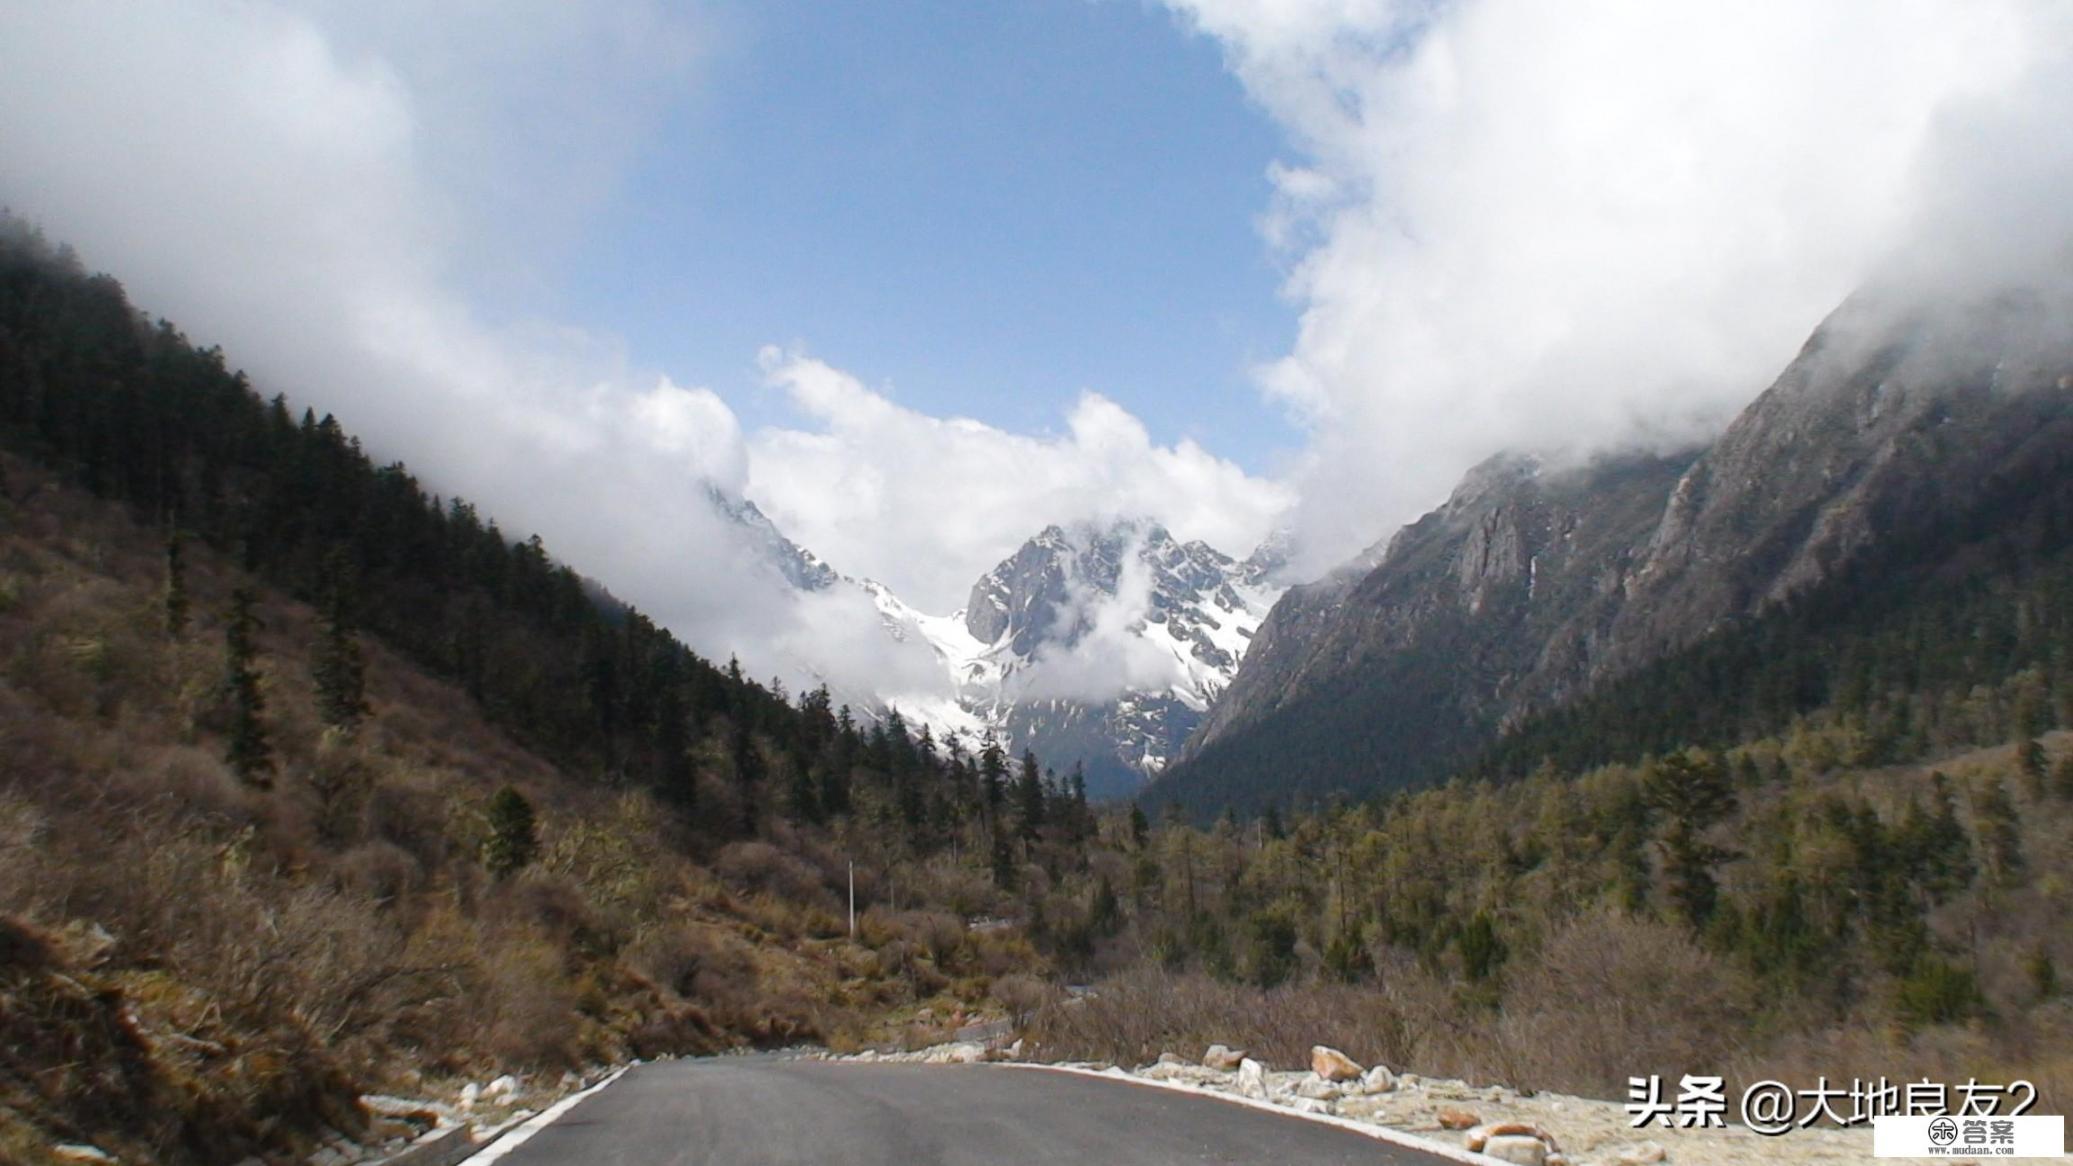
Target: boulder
x=1252 y=1079
x=1332 y=1065
x=1378 y=1080
x=470 y=1094
x=1451 y=1118
x=1220 y=1057
x=504 y=1088
x=1518 y=1149
x=1640 y=1154
x=1170 y=1059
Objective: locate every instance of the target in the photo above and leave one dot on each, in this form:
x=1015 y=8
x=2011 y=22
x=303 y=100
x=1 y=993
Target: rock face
x=1535 y=582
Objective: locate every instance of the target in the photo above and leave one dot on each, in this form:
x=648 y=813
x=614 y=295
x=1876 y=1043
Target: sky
x=921 y=278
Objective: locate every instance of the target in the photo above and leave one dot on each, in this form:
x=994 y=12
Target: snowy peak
x=798 y=566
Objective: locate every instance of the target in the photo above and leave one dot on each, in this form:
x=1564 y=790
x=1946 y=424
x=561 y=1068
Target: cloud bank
x=327 y=188
x=1567 y=226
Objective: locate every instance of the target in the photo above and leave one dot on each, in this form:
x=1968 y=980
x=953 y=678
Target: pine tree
x=1029 y=799
x=2000 y=838
x=993 y=773
x=248 y=753
x=1140 y=827
x=1692 y=792
x=2031 y=762
x=339 y=668
x=512 y=842
x=176 y=601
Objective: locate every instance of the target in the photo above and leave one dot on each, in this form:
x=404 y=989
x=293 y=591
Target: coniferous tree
x=1140 y=827
x=248 y=752
x=2000 y=838
x=2030 y=762
x=339 y=668
x=512 y=842
x=993 y=774
x=177 y=604
x=1691 y=792
x=1029 y=799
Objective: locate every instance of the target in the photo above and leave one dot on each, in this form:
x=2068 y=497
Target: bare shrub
x=759 y=866
x=1022 y=996
x=1610 y=997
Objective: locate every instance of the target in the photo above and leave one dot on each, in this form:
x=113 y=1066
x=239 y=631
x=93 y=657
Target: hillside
x=316 y=785
x=1898 y=448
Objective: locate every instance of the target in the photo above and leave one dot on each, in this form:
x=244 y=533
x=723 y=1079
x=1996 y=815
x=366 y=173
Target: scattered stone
x=1252 y=1079
x=505 y=1088
x=1332 y=1065
x=1226 y=1059
x=1641 y=1154
x=969 y=1052
x=1378 y=1080
x=1170 y=1059
x=1310 y=1105
x=1519 y=1149
x=1451 y=1118
x=80 y=1152
x=1317 y=1088
x=1408 y=1081
x=470 y=1094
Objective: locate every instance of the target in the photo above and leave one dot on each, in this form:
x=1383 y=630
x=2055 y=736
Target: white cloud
x=1522 y=224
x=926 y=505
x=325 y=187
x=282 y=184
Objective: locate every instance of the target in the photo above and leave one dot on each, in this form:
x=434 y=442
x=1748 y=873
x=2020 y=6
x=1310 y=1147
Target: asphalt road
x=753 y=1111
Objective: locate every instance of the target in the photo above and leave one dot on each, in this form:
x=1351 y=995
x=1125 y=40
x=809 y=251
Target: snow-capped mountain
x=1096 y=645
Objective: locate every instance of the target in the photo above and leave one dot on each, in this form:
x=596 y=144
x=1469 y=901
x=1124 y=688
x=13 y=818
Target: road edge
x=513 y=1137
x=1378 y=1133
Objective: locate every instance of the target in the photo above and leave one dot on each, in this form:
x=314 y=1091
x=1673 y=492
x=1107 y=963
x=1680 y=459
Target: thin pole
x=852 y=898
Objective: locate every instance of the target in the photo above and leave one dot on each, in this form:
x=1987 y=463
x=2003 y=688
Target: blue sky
x=984 y=208
x=540 y=250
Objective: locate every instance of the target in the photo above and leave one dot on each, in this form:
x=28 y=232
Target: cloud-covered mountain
x=1098 y=645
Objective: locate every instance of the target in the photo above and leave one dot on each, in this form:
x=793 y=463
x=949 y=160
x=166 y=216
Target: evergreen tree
x=1691 y=792
x=1029 y=799
x=176 y=601
x=2000 y=836
x=2031 y=763
x=512 y=843
x=993 y=775
x=1140 y=828
x=2062 y=777
x=338 y=667
x=249 y=753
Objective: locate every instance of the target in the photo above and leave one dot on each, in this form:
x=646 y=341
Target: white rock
x=470 y=1094
x=1252 y=1079
x=1519 y=1149
x=1378 y=1080
x=1222 y=1057
x=1641 y=1154
x=1310 y=1105
x=80 y=1152
x=1317 y=1088
x=1171 y=1059
x=505 y=1087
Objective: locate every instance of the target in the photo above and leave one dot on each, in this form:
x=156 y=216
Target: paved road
x=761 y=1111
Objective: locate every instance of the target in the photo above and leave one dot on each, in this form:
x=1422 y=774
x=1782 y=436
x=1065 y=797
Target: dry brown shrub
x=759 y=866
x=1610 y=997
x=529 y=1007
